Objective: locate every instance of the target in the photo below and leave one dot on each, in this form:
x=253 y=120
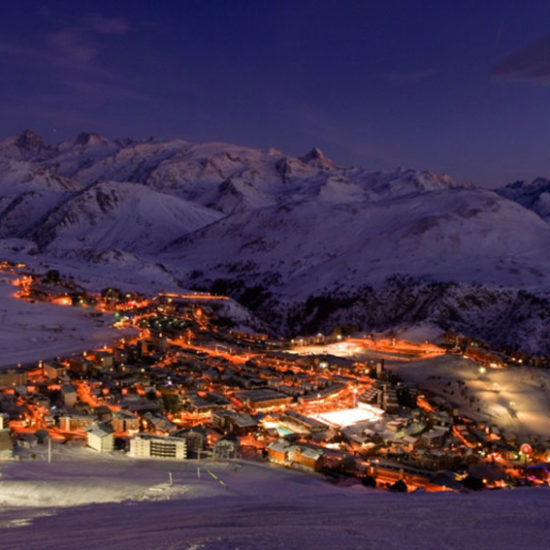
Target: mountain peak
x=90 y=138
x=29 y=141
x=316 y=157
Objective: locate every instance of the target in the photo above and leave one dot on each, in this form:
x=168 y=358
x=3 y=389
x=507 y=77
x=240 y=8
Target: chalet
x=307 y=458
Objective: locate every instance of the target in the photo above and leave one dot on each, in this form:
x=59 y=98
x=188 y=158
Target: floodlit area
x=371 y=348
x=348 y=417
x=33 y=331
x=516 y=399
x=338 y=349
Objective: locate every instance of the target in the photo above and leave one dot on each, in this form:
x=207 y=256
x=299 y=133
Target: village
x=190 y=385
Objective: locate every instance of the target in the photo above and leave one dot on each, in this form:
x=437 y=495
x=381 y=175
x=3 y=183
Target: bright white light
x=348 y=417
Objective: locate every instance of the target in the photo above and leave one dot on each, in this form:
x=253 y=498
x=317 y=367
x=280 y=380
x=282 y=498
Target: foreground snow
x=262 y=507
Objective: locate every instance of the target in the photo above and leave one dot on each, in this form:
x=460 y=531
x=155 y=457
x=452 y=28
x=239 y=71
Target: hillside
x=307 y=244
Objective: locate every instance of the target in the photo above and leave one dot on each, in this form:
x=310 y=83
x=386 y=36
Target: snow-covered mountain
x=301 y=241
x=445 y=235
x=128 y=216
x=534 y=195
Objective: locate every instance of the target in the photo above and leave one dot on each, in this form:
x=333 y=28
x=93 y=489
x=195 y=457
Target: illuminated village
x=188 y=385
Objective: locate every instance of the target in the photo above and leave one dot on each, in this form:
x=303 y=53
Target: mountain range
x=305 y=244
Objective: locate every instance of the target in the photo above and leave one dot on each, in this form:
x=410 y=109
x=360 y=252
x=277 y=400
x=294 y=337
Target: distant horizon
x=71 y=137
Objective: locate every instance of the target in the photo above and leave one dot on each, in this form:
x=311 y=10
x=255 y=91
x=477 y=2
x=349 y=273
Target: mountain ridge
x=278 y=229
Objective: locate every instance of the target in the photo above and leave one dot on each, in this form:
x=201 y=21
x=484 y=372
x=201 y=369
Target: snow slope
x=459 y=234
x=29 y=332
x=263 y=507
x=127 y=216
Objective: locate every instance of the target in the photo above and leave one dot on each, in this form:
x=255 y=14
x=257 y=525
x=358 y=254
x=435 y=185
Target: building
x=297 y=456
x=54 y=370
x=13 y=377
x=150 y=446
x=277 y=451
x=263 y=398
x=124 y=421
x=80 y=365
x=100 y=438
x=225 y=448
x=233 y=422
x=195 y=439
x=104 y=359
x=69 y=394
x=4 y=420
x=159 y=423
x=381 y=395
x=302 y=423
x=306 y=458
x=72 y=422
x=434 y=437
x=6 y=445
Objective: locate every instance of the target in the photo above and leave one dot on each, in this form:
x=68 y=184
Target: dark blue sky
x=456 y=87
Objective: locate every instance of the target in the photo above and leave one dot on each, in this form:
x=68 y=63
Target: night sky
x=455 y=87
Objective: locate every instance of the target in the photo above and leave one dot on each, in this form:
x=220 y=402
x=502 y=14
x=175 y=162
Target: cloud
x=106 y=25
x=400 y=78
x=81 y=41
x=73 y=43
x=65 y=63
x=530 y=63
